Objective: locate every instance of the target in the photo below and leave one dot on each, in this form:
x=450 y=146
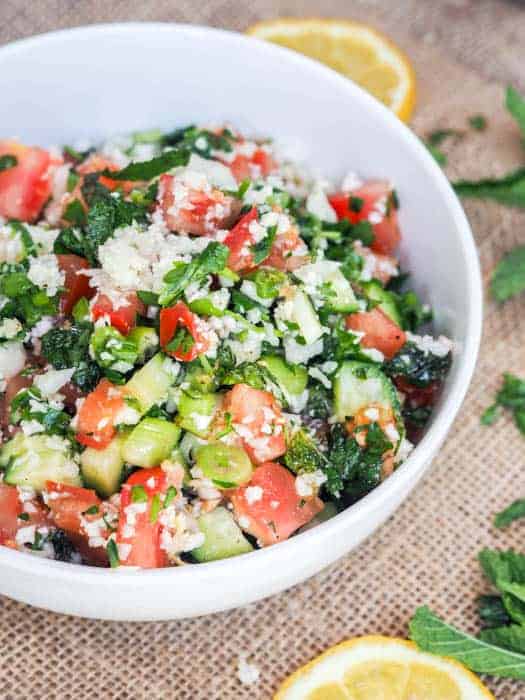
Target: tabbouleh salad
x=203 y=349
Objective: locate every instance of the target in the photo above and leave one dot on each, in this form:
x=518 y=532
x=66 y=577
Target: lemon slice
x=382 y=668
x=353 y=49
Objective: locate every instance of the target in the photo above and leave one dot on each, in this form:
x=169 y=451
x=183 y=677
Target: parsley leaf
x=69 y=347
x=511 y=513
x=182 y=341
x=148 y=169
x=262 y=249
x=25 y=301
x=509 y=189
x=515 y=103
x=7 y=162
x=511 y=396
x=434 y=635
x=508 y=279
x=420 y=368
x=212 y=260
x=478 y=122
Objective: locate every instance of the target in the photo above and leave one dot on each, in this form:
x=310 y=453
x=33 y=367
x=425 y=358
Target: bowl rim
x=412 y=469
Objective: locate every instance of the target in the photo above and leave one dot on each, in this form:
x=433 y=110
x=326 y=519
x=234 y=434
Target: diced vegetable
x=375 y=291
x=98 y=414
x=357 y=385
x=330 y=285
x=196 y=413
x=223 y=537
x=149 y=385
x=181 y=335
x=150 y=442
x=124 y=317
x=380 y=332
x=102 y=469
x=32 y=460
x=145 y=340
x=76 y=284
x=25 y=187
x=226 y=465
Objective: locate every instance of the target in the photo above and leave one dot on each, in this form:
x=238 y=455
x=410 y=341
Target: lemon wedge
x=357 y=51
x=382 y=668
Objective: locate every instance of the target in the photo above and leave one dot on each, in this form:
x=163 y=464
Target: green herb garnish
x=510 y=396
x=138 y=494
x=7 y=162
x=112 y=550
x=148 y=169
x=478 y=122
x=511 y=513
x=508 y=279
x=155 y=508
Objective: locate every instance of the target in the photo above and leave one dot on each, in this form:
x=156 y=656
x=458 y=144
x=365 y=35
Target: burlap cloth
x=463 y=50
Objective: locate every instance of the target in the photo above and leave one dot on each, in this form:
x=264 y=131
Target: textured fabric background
x=464 y=51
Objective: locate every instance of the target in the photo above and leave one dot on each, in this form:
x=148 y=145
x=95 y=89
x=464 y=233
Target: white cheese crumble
x=12 y=359
x=308 y=484
x=253 y=494
x=9 y=328
x=426 y=343
x=52 y=380
x=316 y=373
x=317 y=204
x=45 y=273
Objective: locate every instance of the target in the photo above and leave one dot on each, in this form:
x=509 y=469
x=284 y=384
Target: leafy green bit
x=437 y=137
x=29 y=404
x=241 y=304
x=508 y=279
x=113 y=556
x=155 y=508
x=413 y=313
x=437 y=154
x=69 y=240
x=80 y=311
x=181 y=342
x=515 y=103
x=511 y=396
x=212 y=260
x=268 y=282
x=509 y=637
x=69 y=347
x=148 y=298
x=148 y=169
x=492 y=611
x=92 y=510
x=342 y=344
x=77 y=156
x=113 y=351
x=171 y=493
x=26 y=301
x=319 y=404
x=502 y=567
x=138 y=494
x=420 y=368
x=24 y=516
x=62 y=546
x=203 y=142
x=253 y=374
x=75 y=213
x=302 y=453
x=262 y=249
x=7 y=162
x=509 y=189
x=416 y=417
x=434 y=635
x=355 y=204
x=240 y=191
x=511 y=513
x=478 y=122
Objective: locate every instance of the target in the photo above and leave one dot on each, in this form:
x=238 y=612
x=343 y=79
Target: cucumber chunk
x=31 y=460
x=357 y=385
x=292 y=379
x=331 y=286
x=226 y=465
x=303 y=314
x=150 y=442
x=102 y=469
x=146 y=341
x=149 y=385
x=386 y=302
x=196 y=413
x=223 y=537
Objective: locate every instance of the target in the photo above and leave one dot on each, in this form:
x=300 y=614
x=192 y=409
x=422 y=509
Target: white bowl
x=102 y=80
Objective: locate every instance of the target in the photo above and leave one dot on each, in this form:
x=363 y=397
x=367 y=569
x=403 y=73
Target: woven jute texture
x=463 y=51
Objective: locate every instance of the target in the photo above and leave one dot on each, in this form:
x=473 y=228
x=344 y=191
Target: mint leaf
x=7 y=162
x=262 y=249
x=437 y=154
x=511 y=513
x=510 y=637
x=511 y=396
x=148 y=169
x=434 y=635
x=478 y=122
x=491 y=611
x=508 y=279
x=503 y=567
x=509 y=189
x=515 y=103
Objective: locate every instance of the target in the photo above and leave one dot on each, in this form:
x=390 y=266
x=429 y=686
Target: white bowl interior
x=100 y=81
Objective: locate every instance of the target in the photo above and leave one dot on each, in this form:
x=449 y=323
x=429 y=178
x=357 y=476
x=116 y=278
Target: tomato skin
x=281 y=255
x=123 y=318
x=96 y=416
x=380 y=331
x=145 y=537
x=77 y=285
x=258 y=420
x=180 y=316
x=418 y=396
x=244 y=167
x=386 y=232
x=200 y=212
x=280 y=511
x=10 y=509
x=25 y=188
x=239 y=240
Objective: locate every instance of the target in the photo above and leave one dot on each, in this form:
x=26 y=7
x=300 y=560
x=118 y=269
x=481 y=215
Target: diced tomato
x=380 y=267
x=138 y=538
x=25 y=188
x=197 y=211
x=179 y=316
x=68 y=503
x=10 y=509
x=283 y=254
x=376 y=203
x=77 y=285
x=258 y=420
x=380 y=332
x=259 y=164
x=123 y=318
x=96 y=417
x=68 y=511
x=95 y=163
x=280 y=511
x=416 y=395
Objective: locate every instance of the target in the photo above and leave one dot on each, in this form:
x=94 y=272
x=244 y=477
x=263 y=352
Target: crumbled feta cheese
x=426 y=343
x=9 y=328
x=308 y=484
x=316 y=373
x=317 y=204
x=12 y=358
x=52 y=380
x=45 y=273
x=351 y=182
x=12 y=249
x=253 y=494
x=30 y=427
x=301 y=354
x=405 y=448
x=374 y=354
x=248 y=287
x=372 y=414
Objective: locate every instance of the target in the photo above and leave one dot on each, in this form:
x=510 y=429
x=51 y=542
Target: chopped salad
x=203 y=349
